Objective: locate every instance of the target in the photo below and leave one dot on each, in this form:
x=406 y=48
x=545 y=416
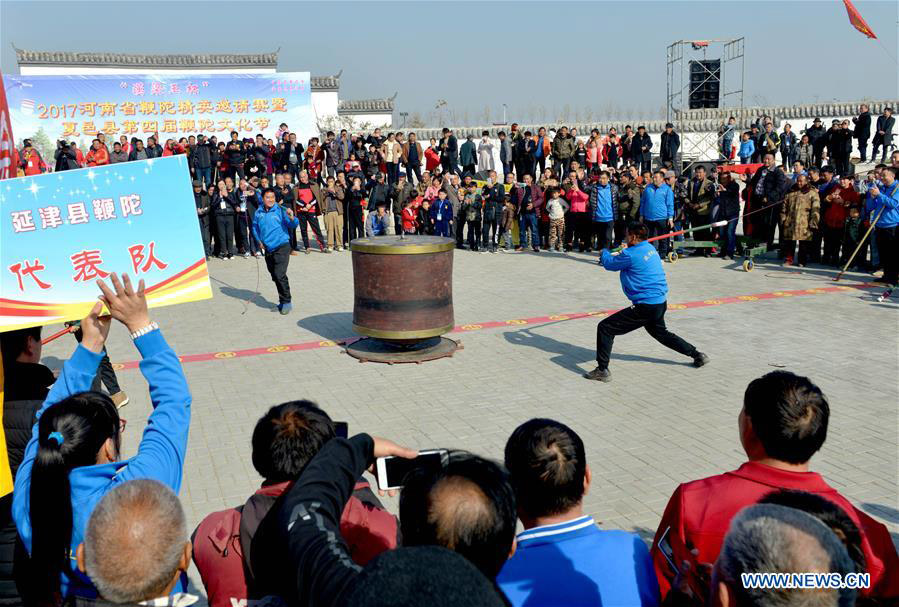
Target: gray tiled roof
x=187 y=61
x=366 y=106
x=326 y=83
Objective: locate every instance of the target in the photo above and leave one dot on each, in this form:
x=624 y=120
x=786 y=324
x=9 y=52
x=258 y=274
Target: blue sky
x=536 y=57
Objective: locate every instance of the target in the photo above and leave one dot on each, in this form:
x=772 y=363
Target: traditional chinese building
x=331 y=112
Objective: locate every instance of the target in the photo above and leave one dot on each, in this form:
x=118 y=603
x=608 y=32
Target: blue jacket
x=375 y=226
x=577 y=563
x=444 y=209
x=603 y=202
x=747 y=149
x=657 y=203
x=160 y=455
x=889 y=201
x=642 y=277
x=270 y=226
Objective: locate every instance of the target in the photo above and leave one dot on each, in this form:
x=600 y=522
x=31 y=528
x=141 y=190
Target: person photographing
x=272 y=225
x=643 y=281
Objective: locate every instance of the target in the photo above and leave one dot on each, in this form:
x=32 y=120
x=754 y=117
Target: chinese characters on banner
x=63 y=231
x=137 y=105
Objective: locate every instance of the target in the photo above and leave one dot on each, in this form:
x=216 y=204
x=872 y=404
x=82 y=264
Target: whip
x=716 y=224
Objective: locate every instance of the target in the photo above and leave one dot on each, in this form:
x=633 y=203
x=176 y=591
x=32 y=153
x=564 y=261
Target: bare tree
x=566 y=112
x=465 y=118
x=532 y=112
x=415 y=121
x=542 y=112
x=486 y=115
x=588 y=113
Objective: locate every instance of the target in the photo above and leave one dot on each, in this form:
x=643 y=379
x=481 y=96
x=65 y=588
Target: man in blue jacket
x=883 y=201
x=657 y=210
x=272 y=225
x=643 y=282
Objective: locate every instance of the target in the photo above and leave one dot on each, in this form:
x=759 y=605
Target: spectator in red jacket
x=782 y=424
x=837 y=203
x=98 y=155
x=79 y=157
x=30 y=161
x=432 y=156
x=284 y=441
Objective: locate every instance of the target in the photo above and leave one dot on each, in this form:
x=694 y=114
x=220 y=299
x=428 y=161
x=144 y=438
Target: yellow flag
x=5 y=474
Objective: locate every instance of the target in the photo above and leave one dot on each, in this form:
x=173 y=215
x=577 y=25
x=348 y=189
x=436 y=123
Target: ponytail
x=70 y=435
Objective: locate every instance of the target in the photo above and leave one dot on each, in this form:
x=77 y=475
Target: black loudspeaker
x=705 y=84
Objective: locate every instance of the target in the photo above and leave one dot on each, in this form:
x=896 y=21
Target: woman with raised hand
x=74 y=457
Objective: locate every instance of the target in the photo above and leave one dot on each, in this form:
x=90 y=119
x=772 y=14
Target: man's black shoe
x=597 y=374
x=700 y=359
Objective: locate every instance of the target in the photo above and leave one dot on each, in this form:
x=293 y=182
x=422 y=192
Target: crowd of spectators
x=86 y=527
x=551 y=190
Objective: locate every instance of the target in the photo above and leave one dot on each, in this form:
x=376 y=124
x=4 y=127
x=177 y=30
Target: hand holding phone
x=391 y=470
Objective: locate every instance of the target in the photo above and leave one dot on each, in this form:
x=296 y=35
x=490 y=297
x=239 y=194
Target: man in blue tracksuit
x=603 y=209
x=643 y=282
x=657 y=210
x=272 y=225
x=883 y=201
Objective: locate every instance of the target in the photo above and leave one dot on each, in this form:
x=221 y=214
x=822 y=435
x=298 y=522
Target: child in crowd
x=425 y=220
x=508 y=221
x=410 y=218
x=747 y=149
x=442 y=214
x=556 y=207
x=853 y=230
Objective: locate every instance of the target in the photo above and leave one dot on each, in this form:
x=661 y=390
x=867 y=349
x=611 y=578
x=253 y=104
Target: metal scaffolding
x=680 y=56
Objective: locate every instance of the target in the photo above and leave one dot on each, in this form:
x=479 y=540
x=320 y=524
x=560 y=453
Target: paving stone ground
x=659 y=423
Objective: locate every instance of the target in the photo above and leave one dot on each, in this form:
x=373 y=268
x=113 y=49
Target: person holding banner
x=74 y=456
x=272 y=225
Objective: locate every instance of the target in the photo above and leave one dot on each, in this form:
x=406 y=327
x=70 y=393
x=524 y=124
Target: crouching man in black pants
x=643 y=282
x=272 y=225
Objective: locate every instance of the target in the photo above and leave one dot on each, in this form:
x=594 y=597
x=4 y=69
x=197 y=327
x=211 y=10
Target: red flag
x=8 y=154
x=857 y=21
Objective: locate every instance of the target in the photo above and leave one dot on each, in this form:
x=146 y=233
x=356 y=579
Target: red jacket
x=835 y=213
x=97 y=157
x=366 y=529
x=578 y=200
x=699 y=513
x=32 y=164
x=606 y=148
x=410 y=219
x=432 y=159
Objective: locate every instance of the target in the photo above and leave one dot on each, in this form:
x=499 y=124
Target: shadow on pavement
x=333 y=326
x=569 y=356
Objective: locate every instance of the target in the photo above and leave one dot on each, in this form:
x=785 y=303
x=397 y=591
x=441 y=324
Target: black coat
x=886 y=125
x=201 y=155
x=862 y=126
x=670 y=145
x=27 y=385
x=639 y=143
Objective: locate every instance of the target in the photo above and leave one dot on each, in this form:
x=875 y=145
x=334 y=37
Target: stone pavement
x=659 y=423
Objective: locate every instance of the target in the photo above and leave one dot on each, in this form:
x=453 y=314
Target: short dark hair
x=287 y=437
x=789 y=415
x=267 y=190
x=467 y=506
x=12 y=344
x=639 y=230
x=547 y=466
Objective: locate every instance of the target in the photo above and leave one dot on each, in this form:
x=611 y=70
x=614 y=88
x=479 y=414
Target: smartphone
x=392 y=470
x=341 y=429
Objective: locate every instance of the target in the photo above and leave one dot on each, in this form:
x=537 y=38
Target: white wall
x=49 y=70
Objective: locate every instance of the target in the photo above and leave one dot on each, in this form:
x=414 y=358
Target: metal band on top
x=419 y=334
x=410 y=245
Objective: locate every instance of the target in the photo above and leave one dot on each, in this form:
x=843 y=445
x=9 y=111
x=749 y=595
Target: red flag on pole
x=857 y=21
x=7 y=144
